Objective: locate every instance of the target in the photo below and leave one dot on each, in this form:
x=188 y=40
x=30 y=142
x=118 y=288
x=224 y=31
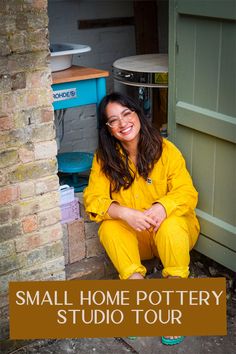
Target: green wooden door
x=202 y=114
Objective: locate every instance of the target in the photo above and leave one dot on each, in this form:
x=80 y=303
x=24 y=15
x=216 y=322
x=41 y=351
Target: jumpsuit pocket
x=157 y=189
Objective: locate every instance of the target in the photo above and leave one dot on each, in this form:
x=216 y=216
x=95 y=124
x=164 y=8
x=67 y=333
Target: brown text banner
x=116 y=308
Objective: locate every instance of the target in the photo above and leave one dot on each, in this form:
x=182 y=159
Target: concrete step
x=91 y=268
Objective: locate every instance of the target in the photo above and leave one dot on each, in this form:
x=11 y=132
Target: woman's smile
x=125 y=131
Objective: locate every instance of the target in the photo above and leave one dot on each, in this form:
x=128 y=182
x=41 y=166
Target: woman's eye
x=113 y=121
x=127 y=113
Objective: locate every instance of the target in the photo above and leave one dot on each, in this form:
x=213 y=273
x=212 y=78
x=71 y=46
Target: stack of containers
x=69 y=204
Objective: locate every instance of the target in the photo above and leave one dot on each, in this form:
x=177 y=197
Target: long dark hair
x=114 y=157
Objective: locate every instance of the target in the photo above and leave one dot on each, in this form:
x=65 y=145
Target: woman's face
x=127 y=124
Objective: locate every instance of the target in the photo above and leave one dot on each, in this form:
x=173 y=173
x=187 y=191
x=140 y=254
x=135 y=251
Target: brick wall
x=31 y=246
x=85 y=257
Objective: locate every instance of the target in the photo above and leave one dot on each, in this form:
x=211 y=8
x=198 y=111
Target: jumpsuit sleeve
x=97 y=194
x=181 y=197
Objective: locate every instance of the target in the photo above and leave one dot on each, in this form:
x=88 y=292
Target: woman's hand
x=157 y=213
x=138 y=220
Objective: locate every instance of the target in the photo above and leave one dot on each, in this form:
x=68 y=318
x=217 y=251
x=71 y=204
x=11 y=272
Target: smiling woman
x=141 y=192
x=134 y=137
x=124 y=123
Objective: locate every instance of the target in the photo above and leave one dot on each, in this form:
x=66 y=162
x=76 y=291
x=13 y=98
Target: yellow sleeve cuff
x=98 y=211
x=168 y=204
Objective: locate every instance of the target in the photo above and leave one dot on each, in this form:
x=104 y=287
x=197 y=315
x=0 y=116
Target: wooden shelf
x=77 y=73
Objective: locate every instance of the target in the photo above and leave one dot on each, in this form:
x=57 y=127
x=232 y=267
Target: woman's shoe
x=172 y=341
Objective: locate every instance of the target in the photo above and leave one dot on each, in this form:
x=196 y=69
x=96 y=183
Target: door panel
x=225 y=182
x=186 y=56
x=203 y=170
x=206 y=63
x=227 y=84
x=202 y=114
x=206 y=121
x=225 y=9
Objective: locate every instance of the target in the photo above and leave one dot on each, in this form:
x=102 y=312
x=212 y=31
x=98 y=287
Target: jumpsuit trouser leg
x=127 y=247
x=121 y=244
x=174 y=239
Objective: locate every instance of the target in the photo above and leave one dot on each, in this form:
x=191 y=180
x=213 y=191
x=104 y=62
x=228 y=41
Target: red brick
x=35 y=4
x=26 y=154
x=47 y=115
x=30 y=223
x=45 y=236
x=27 y=243
x=8 y=103
x=53 y=233
x=76 y=239
x=6 y=123
x=34 y=79
x=32 y=99
x=38 y=79
x=9 y=194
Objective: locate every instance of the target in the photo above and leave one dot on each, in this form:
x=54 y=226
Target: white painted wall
x=108 y=44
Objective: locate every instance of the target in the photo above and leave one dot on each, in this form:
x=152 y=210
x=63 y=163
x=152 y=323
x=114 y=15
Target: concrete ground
x=140 y=345
x=147 y=345
x=200 y=267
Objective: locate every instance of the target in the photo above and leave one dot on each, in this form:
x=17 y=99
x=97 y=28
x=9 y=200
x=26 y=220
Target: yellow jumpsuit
x=169 y=184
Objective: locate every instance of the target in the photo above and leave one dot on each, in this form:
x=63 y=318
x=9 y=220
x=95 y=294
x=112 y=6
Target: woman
x=140 y=190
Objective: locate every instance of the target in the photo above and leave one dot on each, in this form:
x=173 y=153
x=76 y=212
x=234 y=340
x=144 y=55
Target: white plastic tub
x=62 y=54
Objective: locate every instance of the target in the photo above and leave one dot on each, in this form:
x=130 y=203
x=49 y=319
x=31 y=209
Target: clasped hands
x=145 y=220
